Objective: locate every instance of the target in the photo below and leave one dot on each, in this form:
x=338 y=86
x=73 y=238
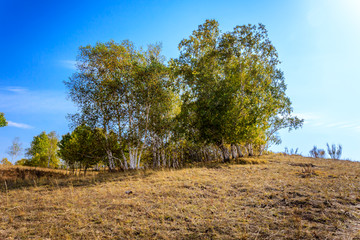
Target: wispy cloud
x=69 y=64
x=321 y=121
x=19 y=125
x=35 y=102
x=14 y=89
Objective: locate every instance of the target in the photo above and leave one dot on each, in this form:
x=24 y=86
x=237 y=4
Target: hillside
x=288 y=197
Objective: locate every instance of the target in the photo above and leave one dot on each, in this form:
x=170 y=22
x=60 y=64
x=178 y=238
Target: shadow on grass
x=54 y=181
x=22 y=177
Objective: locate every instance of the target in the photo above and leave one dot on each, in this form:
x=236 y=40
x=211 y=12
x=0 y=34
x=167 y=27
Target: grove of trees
x=222 y=98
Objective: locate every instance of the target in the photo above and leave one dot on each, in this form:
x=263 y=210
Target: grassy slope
x=283 y=199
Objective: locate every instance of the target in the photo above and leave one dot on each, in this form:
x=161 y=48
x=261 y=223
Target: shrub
x=292 y=151
x=317 y=152
x=334 y=152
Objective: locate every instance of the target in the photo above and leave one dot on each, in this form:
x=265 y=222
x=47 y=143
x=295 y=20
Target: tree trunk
x=110 y=159
x=250 y=149
x=234 y=152
x=262 y=149
x=49 y=158
x=154 y=157
x=238 y=148
x=225 y=153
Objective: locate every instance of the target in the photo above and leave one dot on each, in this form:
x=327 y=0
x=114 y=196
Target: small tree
x=334 y=152
x=6 y=162
x=15 y=149
x=3 y=122
x=83 y=146
x=42 y=152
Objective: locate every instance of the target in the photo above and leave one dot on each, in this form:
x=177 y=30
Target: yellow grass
x=285 y=197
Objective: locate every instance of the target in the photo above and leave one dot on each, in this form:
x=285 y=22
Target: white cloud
x=319 y=120
x=69 y=64
x=14 y=89
x=308 y=117
x=19 y=125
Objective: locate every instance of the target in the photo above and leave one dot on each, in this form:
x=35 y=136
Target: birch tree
x=118 y=88
x=15 y=149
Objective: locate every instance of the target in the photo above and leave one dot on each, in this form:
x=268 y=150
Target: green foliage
x=3 y=121
x=42 y=152
x=84 y=146
x=124 y=91
x=224 y=90
x=233 y=89
x=22 y=162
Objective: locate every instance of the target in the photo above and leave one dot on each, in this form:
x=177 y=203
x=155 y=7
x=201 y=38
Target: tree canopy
x=233 y=90
x=83 y=147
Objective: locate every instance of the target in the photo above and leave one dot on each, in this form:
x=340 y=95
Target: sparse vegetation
x=292 y=151
x=334 y=152
x=317 y=153
x=288 y=197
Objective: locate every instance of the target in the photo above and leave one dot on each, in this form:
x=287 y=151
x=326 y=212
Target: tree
x=6 y=162
x=15 y=149
x=52 y=147
x=232 y=86
x=83 y=146
x=42 y=152
x=121 y=90
x=3 y=121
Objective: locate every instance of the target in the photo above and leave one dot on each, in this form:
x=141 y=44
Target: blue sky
x=317 y=41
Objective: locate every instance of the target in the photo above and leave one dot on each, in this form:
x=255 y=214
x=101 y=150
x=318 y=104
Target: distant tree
x=52 y=148
x=22 y=162
x=333 y=151
x=15 y=149
x=42 y=152
x=3 y=121
x=6 y=162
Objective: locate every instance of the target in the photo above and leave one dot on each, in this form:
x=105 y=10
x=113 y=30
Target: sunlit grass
x=282 y=197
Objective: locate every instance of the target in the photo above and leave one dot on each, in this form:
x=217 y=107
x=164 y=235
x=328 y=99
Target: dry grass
x=289 y=197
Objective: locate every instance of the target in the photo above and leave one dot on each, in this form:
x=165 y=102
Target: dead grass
x=285 y=197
